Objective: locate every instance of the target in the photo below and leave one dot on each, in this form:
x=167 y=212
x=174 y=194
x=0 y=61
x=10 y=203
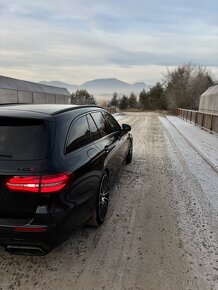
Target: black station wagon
x=57 y=166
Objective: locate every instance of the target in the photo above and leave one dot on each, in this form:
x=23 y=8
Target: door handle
x=106 y=149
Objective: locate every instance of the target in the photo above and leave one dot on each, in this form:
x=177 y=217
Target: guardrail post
x=196 y=116
x=211 y=124
x=202 y=121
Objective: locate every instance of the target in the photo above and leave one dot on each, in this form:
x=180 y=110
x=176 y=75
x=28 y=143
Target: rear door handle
x=106 y=148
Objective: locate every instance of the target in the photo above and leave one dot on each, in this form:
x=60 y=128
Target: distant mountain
x=103 y=88
x=140 y=86
x=106 y=85
x=59 y=84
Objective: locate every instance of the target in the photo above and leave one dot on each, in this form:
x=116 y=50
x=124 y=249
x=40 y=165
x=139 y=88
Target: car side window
x=79 y=135
x=101 y=123
x=114 y=126
x=93 y=128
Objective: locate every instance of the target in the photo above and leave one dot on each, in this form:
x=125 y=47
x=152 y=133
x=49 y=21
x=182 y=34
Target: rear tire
x=101 y=203
x=129 y=156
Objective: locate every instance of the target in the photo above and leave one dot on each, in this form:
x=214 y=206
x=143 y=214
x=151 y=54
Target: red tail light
x=45 y=184
x=31 y=229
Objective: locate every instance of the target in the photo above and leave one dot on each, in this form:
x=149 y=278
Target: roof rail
x=73 y=108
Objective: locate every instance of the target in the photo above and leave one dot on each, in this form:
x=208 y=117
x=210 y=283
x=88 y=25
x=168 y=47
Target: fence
x=204 y=120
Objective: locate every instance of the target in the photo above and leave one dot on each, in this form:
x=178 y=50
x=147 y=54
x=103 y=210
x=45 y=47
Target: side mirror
x=126 y=127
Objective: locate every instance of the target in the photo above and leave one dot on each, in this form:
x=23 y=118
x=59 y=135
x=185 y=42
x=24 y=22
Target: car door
x=115 y=129
x=108 y=144
x=81 y=159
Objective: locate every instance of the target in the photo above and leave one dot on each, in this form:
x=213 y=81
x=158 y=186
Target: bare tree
x=185 y=84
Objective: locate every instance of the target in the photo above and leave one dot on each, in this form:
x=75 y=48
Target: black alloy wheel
x=102 y=201
x=129 y=156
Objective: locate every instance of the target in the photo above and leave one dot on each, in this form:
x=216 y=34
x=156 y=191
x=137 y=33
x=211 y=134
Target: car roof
x=41 y=109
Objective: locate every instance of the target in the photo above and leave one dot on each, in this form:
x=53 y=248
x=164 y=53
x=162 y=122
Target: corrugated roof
x=211 y=90
x=19 y=85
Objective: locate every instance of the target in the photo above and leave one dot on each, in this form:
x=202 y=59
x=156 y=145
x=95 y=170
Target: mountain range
x=102 y=88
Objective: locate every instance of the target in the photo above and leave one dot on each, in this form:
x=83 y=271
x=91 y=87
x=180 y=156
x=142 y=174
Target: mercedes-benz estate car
x=57 y=166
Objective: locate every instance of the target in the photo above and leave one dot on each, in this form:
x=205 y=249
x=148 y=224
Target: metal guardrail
x=204 y=120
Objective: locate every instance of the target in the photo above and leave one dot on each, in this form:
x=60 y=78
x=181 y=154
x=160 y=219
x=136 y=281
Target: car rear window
x=22 y=139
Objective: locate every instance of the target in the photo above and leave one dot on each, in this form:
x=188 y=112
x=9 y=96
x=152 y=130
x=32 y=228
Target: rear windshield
x=22 y=139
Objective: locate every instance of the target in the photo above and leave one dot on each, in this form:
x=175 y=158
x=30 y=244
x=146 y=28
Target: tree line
x=180 y=88
x=151 y=100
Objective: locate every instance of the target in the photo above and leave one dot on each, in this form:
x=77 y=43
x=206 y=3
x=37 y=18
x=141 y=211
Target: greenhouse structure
x=209 y=100
x=19 y=91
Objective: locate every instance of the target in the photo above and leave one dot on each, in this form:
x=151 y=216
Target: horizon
x=98 y=79
x=133 y=42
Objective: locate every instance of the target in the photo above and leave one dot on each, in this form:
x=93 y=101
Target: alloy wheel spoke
x=103 y=198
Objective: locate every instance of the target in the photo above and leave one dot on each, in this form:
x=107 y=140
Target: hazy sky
x=79 y=40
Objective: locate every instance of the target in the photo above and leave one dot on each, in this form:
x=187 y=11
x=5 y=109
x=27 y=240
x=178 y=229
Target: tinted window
x=22 y=139
x=79 y=135
x=113 y=125
x=93 y=128
x=101 y=123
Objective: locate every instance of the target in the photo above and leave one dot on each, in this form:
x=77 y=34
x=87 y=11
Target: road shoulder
x=202 y=141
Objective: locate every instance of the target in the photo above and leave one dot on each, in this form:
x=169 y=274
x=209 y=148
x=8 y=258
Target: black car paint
x=71 y=208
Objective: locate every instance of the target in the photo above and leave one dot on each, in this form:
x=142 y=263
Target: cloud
x=110 y=36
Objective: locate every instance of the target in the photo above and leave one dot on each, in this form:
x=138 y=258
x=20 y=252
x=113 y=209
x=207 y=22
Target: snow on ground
x=205 y=175
x=118 y=116
x=203 y=141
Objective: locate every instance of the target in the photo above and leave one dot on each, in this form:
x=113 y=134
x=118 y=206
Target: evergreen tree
x=82 y=97
x=144 y=100
x=133 y=101
x=124 y=103
x=114 y=100
x=156 y=97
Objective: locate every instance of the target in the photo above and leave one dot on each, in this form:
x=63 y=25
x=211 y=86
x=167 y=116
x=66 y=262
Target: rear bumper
x=58 y=229
x=40 y=242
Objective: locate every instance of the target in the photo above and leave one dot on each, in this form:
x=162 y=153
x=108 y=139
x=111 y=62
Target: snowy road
x=162 y=226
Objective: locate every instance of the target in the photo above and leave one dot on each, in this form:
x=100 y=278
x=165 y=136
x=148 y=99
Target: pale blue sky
x=75 y=41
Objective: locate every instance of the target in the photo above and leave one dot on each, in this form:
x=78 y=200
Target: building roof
x=20 y=85
x=213 y=90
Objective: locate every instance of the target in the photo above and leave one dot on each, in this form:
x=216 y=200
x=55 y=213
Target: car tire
x=129 y=156
x=101 y=203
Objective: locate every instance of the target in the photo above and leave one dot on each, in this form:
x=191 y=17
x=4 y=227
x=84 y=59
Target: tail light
x=31 y=229
x=45 y=184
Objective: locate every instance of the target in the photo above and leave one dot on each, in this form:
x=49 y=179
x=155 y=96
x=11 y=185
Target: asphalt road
x=161 y=232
